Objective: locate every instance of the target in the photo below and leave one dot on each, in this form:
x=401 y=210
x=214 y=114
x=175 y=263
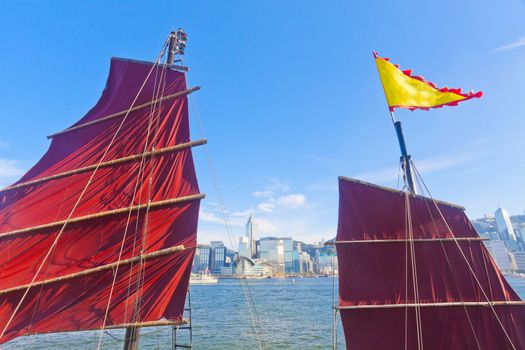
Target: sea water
x=292 y=314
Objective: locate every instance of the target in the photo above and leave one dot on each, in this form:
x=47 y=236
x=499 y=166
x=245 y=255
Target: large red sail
x=458 y=300
x=116 y=193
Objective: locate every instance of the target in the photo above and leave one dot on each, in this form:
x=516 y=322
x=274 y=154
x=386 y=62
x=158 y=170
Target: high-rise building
x=499 y=253
x=505 y=229
x=204 y=258
x=245 y=247
x=305 y=263
x=218 y=257
x=278 y=252
x=288 y=254
x=519 y=258
x=252 y=234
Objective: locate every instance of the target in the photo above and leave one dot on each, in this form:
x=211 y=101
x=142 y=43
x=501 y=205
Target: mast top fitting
x=177 y=44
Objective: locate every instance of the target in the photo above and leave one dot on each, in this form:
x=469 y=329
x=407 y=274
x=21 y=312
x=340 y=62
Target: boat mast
x=176 y=45
x=405 y=157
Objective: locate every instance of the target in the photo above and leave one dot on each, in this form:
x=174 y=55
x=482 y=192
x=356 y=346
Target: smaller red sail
x=116 y=189
x=463 y=299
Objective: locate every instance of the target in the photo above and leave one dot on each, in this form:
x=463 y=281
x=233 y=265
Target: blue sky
x=291 y=98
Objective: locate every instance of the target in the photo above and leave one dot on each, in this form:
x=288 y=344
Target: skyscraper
x=251 y=233
x=245 y=247
x=505 y=229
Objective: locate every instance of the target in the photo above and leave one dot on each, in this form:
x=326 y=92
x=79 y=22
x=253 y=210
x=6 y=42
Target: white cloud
x=266 y=226
x=263 y=194
x=210 y=217
x=266 y=207
x=511 y=46
x=241 y=214
x=10 y=171
x=292 y=200
x=10 y=168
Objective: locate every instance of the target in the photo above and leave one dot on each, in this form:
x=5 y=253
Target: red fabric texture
x=376 y=274
x=80 y=303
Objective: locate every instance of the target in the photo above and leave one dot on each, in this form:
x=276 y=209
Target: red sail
x=463 y=300
x=87 y=191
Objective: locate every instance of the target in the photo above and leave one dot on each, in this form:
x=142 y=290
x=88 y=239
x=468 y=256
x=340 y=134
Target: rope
x=254 y=316
x=410 y=236
x=420 y=185
x=465 y=258
x=142 y=267
x=334 y=306
x=139 y=172
x=44 y=260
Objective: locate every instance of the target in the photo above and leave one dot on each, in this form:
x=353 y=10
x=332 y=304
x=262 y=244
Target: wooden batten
x=465 y=303
x=119 y=326
x=150 y=324
x=179 y=67
x=416 y=240
x=122 y=113
x=148 y=256
x=127 y=159
x=106 y=213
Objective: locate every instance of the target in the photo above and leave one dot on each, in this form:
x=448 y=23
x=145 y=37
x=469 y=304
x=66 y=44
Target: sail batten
x=151 y=205
x=431 y=281
x=416 y=240
x=106 y=221
x=447 y=304
x=147 y=256
x=132 y=158
x=125 y=112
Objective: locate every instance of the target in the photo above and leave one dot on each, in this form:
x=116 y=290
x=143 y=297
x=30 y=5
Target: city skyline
x=278 y=137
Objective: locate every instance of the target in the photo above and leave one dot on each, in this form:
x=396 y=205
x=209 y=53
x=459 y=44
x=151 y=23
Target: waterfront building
x=278 y=252
x=196 y=261
x=244 y=247
x=505 y=229
x=288 y=255
x=218 y=257
x=247 y=267
x=305 y=263
x=204 y=258
x=499 y=253
x=252 y=235
x=519 y=258
x=327 y=262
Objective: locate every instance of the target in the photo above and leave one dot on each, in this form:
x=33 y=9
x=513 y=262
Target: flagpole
x=405 y=157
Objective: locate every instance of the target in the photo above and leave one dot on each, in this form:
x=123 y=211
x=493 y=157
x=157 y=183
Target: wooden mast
x=132 y=337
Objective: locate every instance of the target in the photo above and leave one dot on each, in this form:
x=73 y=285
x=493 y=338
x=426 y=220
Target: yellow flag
x=402 y=90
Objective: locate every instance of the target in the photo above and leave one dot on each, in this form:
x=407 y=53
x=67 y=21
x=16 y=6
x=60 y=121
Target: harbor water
x=293 y=313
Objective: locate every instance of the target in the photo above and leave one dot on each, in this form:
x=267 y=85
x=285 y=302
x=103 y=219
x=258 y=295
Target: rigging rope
x=254 y=316
x=449 y=265
x=489 y=302
x=410 y=237
x=138 y=180
x=44 y=260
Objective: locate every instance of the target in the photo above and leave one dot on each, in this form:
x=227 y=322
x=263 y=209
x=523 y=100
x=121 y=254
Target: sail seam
x=444 y=304
x=106 y=213
x=127 y=159
x=152 y=255
x=127 y=111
